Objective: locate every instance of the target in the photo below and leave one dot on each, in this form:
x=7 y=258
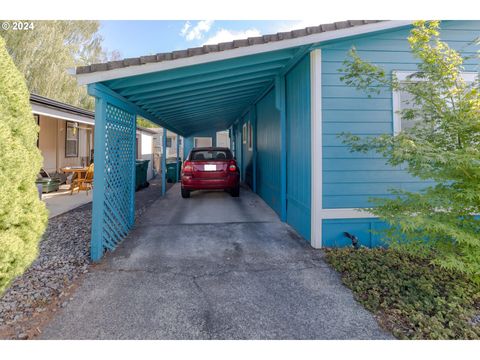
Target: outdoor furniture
x=82 y=178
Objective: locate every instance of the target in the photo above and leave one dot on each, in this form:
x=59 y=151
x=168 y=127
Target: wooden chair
x=84 y=183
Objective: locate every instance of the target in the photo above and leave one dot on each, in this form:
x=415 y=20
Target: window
x=250 y=136
x=403 y=100
x=169 y=142
x=202 y=142
x=211 y=155
x=71 y=139
x=244 y=133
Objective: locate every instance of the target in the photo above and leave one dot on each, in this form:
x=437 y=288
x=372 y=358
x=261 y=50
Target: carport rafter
x=211 y=92
x=147 y=91
x=197 y=115
x=212 y=86
x=208 y=101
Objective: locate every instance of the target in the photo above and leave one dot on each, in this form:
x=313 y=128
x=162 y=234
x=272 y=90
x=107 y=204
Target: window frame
x=402 y=75
x=76 y=126
x=250 y=136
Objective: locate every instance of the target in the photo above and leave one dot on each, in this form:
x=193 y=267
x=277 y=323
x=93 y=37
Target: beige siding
x=48 y=142
x=52 y=144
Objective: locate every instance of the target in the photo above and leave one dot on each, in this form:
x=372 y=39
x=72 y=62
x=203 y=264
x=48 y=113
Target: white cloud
x=224 y=35
x=185 y=28
x=196 y=32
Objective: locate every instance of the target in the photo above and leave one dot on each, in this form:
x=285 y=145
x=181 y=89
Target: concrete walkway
x=63 y=200
x=213 y=267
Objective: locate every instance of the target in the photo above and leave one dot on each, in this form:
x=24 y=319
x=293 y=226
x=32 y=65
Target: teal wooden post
x=133 y=164
x=178 y=156
x=96 y=243
x=164 y=162
x=280 y=104
x=254 y=146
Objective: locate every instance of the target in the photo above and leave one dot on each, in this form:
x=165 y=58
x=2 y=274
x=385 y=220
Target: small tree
x=442 y=144
x=23 y=216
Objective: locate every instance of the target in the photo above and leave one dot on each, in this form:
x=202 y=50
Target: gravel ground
x=49 y=283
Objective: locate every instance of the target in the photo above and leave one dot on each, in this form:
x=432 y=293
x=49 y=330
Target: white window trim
x=244 y=133
x=402 y=76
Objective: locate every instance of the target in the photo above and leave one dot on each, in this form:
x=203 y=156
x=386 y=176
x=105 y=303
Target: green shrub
x=408 y=295
x=440 y=145
x=23 y=216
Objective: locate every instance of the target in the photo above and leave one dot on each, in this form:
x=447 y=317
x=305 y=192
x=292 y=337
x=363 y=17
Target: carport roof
x=210 y=87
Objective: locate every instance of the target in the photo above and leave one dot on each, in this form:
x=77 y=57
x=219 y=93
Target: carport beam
x=178 y=157
x=164 y=161
x=96 y=243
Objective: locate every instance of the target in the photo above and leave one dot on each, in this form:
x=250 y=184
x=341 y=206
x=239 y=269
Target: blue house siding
x=268 y=151
x=297 y=88
x=350 y=179
x=365 y=229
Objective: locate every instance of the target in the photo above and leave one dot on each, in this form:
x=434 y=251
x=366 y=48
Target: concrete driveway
x=213 y=267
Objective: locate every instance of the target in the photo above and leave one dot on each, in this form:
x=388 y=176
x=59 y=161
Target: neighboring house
x=66 y=133
x=172 y=139
x=284 y=104
x=145 y=149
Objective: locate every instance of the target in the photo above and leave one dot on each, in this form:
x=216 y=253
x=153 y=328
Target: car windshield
x=211 y=155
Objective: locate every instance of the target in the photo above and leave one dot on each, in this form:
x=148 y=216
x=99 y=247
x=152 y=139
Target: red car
x=210 y=168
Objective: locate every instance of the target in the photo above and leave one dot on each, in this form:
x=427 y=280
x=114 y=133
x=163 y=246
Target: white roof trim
x=59 y=114
x=98 y=76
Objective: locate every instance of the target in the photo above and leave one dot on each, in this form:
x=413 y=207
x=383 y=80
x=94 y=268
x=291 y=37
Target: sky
x=133 y=38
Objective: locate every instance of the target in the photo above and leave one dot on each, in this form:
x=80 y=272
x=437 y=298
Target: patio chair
x=84 y=183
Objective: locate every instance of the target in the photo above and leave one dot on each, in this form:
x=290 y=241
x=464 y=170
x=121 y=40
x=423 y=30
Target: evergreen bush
x=23 y=216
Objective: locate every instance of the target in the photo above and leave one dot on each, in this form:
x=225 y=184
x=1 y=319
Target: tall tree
x=44 y=53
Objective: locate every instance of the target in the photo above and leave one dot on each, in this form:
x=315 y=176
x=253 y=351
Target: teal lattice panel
x=114 y=179
x=119 y=181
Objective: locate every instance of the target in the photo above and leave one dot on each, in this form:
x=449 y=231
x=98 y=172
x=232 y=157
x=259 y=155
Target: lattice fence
x=119 y=176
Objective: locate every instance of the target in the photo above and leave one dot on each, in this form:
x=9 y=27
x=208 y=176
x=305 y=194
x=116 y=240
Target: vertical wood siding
x=298 y=147
x=268 y=151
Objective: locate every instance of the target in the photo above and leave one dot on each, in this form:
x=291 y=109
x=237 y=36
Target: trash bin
x=141 y=167
x=172 y=175
x=48 y=184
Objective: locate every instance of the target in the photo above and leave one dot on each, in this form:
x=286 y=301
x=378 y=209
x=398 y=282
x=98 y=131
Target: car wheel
x=235 y=192
x=185 y=193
